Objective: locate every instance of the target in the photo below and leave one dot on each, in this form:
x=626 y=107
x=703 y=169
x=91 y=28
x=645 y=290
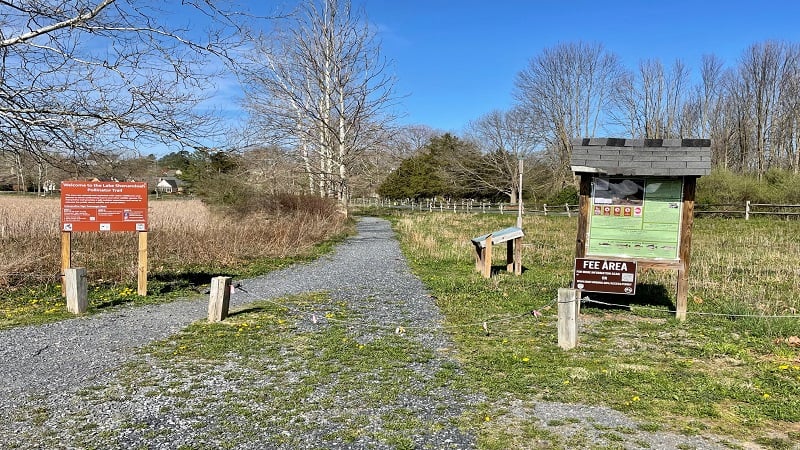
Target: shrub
x=567 y=195
x=283 y=203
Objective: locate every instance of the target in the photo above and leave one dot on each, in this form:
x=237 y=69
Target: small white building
x=168 y=185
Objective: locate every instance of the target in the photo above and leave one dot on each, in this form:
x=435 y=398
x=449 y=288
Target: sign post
x=603 y=275
x=104 y=206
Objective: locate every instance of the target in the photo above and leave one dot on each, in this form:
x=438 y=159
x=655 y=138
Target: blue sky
x=457 y=60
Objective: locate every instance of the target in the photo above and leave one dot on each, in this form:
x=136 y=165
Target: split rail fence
x=744 y=210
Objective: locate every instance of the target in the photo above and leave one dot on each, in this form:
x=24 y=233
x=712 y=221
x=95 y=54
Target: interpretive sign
x=600 y=275
x=103 y=206
x=634 y=217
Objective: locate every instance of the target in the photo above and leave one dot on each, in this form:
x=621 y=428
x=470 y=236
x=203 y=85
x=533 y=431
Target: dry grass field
x=183 y=234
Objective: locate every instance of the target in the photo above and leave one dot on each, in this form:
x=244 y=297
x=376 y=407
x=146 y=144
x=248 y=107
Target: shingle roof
x=656 y=157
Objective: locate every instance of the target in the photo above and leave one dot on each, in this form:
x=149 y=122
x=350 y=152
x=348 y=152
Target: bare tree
x=320 y=85
x=569 y=88
x=651 y=103
x=505 y=138
x=763 y=102
x=88 y=76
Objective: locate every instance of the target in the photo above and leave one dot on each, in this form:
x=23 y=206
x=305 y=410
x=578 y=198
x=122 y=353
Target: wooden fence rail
x=744 y=210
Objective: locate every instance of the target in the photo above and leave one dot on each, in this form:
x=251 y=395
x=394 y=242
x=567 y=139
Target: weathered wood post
x=141 y=269
x=77 y=290
x=66 y=259
x=486 y=270
x=219 y=299
x=567 y=318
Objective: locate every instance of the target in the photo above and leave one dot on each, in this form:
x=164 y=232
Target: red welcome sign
x=103 y=206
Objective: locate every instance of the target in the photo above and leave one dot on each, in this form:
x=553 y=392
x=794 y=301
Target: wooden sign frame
x=681 y=265
x=103 y=206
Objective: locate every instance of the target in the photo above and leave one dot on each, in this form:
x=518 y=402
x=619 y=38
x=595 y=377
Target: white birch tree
x=319 y=84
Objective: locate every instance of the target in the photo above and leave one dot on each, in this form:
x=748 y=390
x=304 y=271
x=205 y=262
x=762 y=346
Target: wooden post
x=77 y=290
x=219 y=299
x=567 y=320
x=747 y=210
x=141 y=270
x=510 y=255
x=480 y=255
x=685 y=246
x=519 y=194
x=544 y=207
x=487 y=258
x=583 y=214
x=66 y=258
x=518 y=256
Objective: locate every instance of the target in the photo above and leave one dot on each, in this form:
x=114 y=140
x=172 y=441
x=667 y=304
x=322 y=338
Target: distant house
x=168 y=185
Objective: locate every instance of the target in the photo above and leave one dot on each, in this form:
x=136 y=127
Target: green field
x=730 y=369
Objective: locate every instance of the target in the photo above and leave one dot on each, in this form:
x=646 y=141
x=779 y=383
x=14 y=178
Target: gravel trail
x=44 y=368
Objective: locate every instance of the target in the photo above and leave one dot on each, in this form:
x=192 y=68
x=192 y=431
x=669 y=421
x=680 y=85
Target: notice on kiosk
x=103 y=206
x=608 y=276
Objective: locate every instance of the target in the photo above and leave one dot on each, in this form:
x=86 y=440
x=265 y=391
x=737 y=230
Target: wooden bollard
x=219 y=299
x=77 y=290
x=567 y=318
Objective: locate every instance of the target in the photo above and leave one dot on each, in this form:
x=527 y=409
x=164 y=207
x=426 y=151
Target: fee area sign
x=103 y=206
x=601 y=275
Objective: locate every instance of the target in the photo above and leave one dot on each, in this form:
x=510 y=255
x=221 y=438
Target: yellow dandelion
x=635 y=398
x=566 y=382
x=526 y=359
x=487 y=418
x=765 y=396
x=783 y=367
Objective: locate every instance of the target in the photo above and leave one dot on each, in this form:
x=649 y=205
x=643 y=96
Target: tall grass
x=736 y=265
x=183 y=234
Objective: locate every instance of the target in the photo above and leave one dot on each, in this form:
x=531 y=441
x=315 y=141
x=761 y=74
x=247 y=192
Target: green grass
x=717 y=374
x=43 y=303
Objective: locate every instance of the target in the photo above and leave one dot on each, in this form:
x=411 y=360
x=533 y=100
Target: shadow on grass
x=164 y=283
x=655 y=295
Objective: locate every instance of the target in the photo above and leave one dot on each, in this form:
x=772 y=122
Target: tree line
x=322 y=106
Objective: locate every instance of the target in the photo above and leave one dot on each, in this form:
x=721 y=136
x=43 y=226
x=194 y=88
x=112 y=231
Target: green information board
x=635 y=217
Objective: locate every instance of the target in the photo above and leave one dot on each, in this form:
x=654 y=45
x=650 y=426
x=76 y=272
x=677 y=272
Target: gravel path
x=44 y=368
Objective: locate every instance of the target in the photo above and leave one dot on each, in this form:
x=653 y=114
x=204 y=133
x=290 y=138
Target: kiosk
x=637 y=204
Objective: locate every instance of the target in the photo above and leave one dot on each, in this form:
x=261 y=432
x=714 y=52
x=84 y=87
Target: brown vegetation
x=183 y=234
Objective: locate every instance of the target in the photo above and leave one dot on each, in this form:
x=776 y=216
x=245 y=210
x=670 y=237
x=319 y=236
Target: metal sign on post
x=607 y=276
x=103 y=206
